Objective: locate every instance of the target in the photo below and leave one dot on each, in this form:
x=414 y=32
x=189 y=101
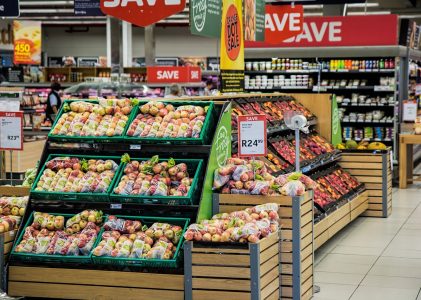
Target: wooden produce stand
x=296 y=249
x=373 y=168
x=44 y=282
x=245 y=271
x=326 y=228
x=406 y=161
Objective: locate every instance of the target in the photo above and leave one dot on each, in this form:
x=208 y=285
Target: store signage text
x=140 y=12
x=283 y=22
x=377 y=30
x=252 y=135
x=173 y=74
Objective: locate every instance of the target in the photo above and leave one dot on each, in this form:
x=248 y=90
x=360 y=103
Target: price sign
x=252 y=139
x=11 y=130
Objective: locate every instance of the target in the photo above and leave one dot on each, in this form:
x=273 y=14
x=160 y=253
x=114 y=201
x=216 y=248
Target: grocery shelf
x=372 y=71
x=364 y=123
x=376 y=88
x=367 y=105
x=37 y=84
x=370 y=140
x=305 y=88
x=280 y=72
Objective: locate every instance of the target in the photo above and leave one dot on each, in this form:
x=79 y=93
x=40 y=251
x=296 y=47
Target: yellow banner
x=232 y=41
x=27 y=45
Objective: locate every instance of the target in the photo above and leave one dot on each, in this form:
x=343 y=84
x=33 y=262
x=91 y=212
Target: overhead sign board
x=87 y=8
x=142 y=12
x=9 y=8
x=283 y=22
x=374 y=30
x=174 y=74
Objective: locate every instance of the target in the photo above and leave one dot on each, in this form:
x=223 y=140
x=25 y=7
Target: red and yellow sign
x=27 y=45
x=232 y=47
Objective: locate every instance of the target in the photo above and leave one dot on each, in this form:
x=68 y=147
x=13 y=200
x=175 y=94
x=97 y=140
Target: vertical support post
x=127 y=44
x=2 y=264
x=11 y=167
x=297 y=150
x=188 y=284
x=150 y=45
x=385 y=158
x=296 y=248
x=403 y=79
x=280 y=262
x=255 y=271
x=215 y=203
x=114 y=46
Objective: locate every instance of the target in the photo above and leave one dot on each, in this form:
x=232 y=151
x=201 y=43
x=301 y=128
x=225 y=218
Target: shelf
x=325 y=160
x=280 y=72
x=363 y=123
x=37 y=84
x=376 y=88
x=280 y=88
x=372 y=71
x=367 y=105
x=371 y=140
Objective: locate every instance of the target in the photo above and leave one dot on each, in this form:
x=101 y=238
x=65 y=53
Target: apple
x=75 y=228
x=50 y=226
x=21 y=211
x=207 y=237
x=15 y=211
x=82 y=224
x=216 y=238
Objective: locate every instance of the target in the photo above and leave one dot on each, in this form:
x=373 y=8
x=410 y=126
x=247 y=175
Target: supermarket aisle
x=375 y=258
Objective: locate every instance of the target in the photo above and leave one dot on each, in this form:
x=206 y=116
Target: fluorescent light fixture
x=362 y=13
x=313 y=14
x=313 y=6
x=410 y=16
x=372 y=4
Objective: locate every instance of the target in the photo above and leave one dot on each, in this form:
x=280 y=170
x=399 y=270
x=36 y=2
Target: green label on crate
x=336 y=125
x=220 y=151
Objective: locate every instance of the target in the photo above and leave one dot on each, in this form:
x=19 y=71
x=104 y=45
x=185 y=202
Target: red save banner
x=174 y=74
x=283 y=22
x=142 y=12
x=380 y=30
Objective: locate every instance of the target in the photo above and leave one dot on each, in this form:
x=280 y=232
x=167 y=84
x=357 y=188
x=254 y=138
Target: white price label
x=252 y=135
x=11 y=130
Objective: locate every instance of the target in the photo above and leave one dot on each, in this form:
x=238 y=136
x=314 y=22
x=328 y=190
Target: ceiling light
x=362 y=13
x=373 y=4
x=313 y=14
x=313 y=6
x=410 y=16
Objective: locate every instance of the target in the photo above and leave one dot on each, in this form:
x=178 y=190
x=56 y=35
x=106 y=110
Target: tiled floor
x=375 y=258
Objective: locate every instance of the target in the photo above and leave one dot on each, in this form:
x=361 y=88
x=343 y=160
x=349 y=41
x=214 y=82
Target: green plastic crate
x=207 y=126
x=89 y=139
x=147 y=262
x=68 y=196
x=32 y=257
x=194 y=167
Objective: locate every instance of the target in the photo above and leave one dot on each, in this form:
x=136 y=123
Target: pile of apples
x=108 y=118
x=250 y=177
x=8 y=223
x=69 y=174
x=249 y=225
x=129 y=239
x=48 y=235
x=165 y=121
x=14 y=206
x=154 y=178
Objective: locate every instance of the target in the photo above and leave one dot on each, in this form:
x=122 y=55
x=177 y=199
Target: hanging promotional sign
x=205 y=17
x=252 y=136
x=9 y=8
x=232 y=47
x=142 y=12
x=11 y=130
x=27 y=43
x=374 y=30
x=173 y=74
x=283 y=22
x=254 y=20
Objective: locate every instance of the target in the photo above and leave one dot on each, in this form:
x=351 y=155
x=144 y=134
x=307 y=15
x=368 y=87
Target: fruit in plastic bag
x=293 y=188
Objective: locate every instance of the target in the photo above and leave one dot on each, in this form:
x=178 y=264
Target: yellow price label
x=22 y=48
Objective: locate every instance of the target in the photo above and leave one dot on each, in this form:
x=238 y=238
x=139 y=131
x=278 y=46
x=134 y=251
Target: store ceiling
x=61 y=11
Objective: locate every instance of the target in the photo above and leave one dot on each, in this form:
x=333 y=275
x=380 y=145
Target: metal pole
x=297 y=150
x=11 y=167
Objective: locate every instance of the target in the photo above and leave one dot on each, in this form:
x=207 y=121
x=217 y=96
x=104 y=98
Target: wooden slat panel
x=221 y=284
x=223 y=208
x=286 y=257
x=358 y=200
x=72 y=291
x=286 y=269
x=285 y=212
x=372 y=200
x=338 y=214
x=307 y=218
x=269 y=253
x=306 y=208
x=254 y=200
x=372 y=213
x=307 y=263
x=224 y=272
x=269 y=289
x=355 y=165
x=286 y=234
x=268 y=241
x=369 y=179
x=376 y=206
x=221 y=259
x=286 y=280
x=339 y=225
x=220 y=250
x=365 y=172
x=307 y=273
x=220 y=295
x=306 y=241
x=286 y=247
x=306 y=229
x=306 y=252
x=10 y=236
x=286 y=223
x=375 y=193
x=269 y=277
x=320 y=227
x=274 y=295
x=308 y=294
x=359 y=210
x=308 y=284
x=286 y=292
x=321 y=239
x=269 y=264
x=96 y=277
x=8 y=247
x=373 y=186
x=361 y=158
